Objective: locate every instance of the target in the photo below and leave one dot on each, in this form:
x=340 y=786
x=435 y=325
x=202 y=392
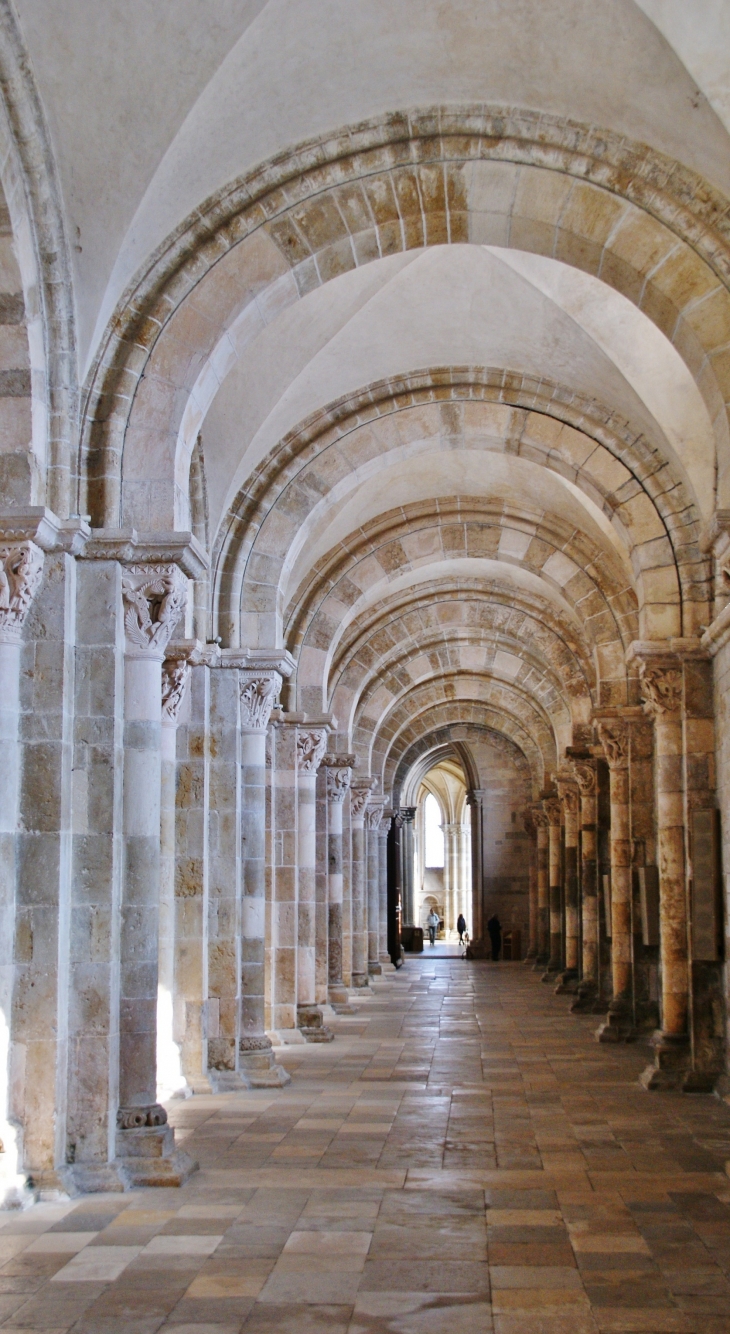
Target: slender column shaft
x=383 y=955
x=310 y=750
x=475 y=801
x=586 y=775
x=615 y=741
x=531 y=831
x=321 y=961
x=28 y=560
x=671 y=858
x=373 y=817
x=258 y=690
x=338 y=768
x=359 y=794
x=406 y=843
x=193 y=819
x=572 y=919
x=543 y=887
x=553 y=812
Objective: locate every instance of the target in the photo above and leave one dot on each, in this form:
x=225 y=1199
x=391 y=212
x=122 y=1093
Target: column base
x=359 y=980
x=257 y=1065
x=567 y=982
x=310 y=1022
x=671 y=1063
x=146 y=1156
x=374 y=968
x=226 y=1081
x=386 y=964
x=531 y=955
x=619 y=1026
x=540 y=962
x=587 y=1000
x=552 y=972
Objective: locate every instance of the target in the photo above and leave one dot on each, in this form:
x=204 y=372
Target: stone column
x=339 y=769
x=553 y=811
x=359 y=797
x=223 y=879
x=311 y=743
x=543 y=885
x=662 y=687
x=386 y=963
x=197 y=823
x=21 y=571
x=154 y=598
x=614 y=738
x=373 y=817
x=407 y=815
x=475 y=801
x=259 y=688
x=568 y=980
x=170 y=1077
x=321 y=960
x=531 y=831
x=585 y=772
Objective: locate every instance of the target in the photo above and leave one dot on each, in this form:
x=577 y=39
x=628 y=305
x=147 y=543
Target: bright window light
x=434 y=832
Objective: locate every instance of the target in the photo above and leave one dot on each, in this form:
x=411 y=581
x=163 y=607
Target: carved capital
x=138 y=1118
x=258 y=1042
x=553 y=811
x=539 y=818
x=585 y=776
x=359 y=798
x=154 y=600
x=338 y=782
x=175 y=677
x=259 y=692
x=569 y=798
x=662 y=689
x=311 y=746
x=373 y=817
x=615 y=741
x=21 y=570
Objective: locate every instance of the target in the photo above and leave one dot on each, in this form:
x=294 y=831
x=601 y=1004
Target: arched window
x=434 y=832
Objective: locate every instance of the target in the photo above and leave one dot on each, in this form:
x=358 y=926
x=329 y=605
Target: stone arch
x=457 y=734
x=621 y=472
x=646 y=225
x=509 y=710
x=41 y=467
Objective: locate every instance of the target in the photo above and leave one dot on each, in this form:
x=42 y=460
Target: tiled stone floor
x=464 y=1157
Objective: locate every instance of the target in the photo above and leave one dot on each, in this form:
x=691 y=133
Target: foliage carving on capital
x=338 y=782
x=615 y=742
x=553 y=811
x=569 y=798
x=259 y=692
x=175 y=677
x=21 y=569
x=662 y=689
x=373 y=817
x=540 y=819
x=154 y=600
x=311 y=747
x=359 y=798
x=585 y=776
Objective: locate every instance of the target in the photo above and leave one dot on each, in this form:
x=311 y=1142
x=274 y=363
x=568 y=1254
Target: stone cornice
x=130 y=547
x=259 y=660
x=669 y=651
x=40 y=525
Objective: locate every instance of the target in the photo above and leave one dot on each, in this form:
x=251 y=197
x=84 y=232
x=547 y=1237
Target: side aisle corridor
x=463 y=1157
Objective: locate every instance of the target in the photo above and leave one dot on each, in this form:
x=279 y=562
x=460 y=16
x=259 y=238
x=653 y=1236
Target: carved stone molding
x=311 y=746
x=154 y=600
x=21 y=571
x=615 y=742
x=359 y=798
x=258 y=1042
x=662 y=689
x=259 y=692
x=373 y=817
x=175 y=677
x=137 y=1118
x=405 y=815
x=540 y=818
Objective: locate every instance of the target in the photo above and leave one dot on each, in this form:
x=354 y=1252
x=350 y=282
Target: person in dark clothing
x=494 y=927
x=461 y=927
